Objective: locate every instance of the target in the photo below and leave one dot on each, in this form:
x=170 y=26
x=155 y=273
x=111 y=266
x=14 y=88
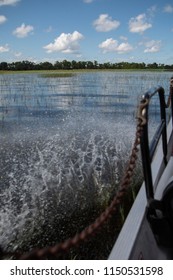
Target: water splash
x=49 y=176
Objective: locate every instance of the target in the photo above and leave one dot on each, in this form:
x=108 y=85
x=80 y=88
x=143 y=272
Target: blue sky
x=102 y=30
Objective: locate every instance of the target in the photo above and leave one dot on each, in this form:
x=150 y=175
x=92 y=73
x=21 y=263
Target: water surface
x=64 y=143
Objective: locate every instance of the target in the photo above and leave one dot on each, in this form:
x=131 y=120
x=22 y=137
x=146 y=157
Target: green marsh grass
x=57 y=75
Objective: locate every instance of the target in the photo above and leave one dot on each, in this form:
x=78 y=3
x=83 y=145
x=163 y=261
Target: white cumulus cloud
x=152 y=46
x=111 y=45
x=2 y=19
x=124 y=48
x=4 y=49
x=8 y=2
x=105 y=23
x=139 y=24
x=23 y=30
x=168 y=9
x=66 y=43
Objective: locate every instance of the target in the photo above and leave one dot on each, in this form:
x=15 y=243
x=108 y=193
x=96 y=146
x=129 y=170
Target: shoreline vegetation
x=74 y=72
x=73 y=66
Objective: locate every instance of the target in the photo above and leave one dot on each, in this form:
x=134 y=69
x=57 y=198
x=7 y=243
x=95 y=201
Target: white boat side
x=136 y=239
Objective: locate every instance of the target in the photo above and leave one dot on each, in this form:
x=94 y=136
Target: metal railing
x=148 y=149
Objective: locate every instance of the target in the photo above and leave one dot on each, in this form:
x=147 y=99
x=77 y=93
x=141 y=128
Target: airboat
x=148 y=230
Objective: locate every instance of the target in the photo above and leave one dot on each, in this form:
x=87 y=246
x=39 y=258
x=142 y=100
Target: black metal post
x=163 y=118
x=146 y=151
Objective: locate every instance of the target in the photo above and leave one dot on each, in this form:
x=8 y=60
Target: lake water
x=64 y=143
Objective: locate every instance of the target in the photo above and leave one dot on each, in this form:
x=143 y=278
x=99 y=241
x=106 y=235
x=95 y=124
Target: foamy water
x=50 y=177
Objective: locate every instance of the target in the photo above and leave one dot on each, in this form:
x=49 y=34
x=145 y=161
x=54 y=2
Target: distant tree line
x=70 y=65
